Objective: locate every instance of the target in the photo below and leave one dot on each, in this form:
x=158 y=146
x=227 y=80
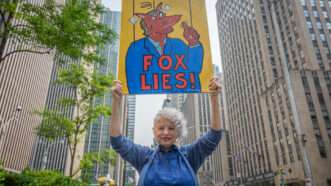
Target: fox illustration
x=157 y=63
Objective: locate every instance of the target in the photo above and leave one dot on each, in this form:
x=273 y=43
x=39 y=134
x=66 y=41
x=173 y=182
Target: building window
x=314 y=122
x=315 y=13
x=276 y=155
x=303 y=2
x=321 y=147
x=306 y=13
x=305 y=84
x=325 y=14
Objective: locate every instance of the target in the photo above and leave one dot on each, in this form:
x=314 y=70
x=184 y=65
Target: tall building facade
x=175 y=101
x=52 y=155
x=277 y=81
x=129 y=121
x=97 y=137
x=24 y=80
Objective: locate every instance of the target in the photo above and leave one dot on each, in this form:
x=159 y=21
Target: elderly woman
x=168 y=164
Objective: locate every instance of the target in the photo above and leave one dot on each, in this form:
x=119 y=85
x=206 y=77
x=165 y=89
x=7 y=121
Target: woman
x=168 y=164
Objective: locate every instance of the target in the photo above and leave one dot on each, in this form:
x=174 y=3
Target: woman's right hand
x=116 y=90
x=115 y=128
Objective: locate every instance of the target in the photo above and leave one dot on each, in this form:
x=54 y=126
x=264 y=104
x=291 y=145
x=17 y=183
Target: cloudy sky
x=148 y=105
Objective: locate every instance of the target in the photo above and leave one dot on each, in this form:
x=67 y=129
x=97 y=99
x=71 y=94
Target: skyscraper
x=276 y=62
x=129 y=171
x=175 y=100
x=52 y=155
x=24 y=80
x=97 y=137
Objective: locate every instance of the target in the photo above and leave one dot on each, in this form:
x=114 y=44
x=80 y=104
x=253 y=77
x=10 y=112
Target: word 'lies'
x=171 y=74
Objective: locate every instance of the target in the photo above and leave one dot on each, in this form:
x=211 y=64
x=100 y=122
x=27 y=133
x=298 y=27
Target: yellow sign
x=164 y=47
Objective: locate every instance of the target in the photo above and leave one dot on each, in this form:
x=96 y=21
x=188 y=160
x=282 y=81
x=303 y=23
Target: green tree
x=83 y=34
x=37 y=178
x=57 y=124
x=68 y=29
x=90 y=159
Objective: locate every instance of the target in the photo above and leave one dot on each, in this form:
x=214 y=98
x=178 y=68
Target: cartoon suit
x=192 y=59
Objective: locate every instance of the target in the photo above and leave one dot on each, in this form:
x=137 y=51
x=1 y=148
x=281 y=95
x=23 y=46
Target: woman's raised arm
x=215 y=88
x=115 y=128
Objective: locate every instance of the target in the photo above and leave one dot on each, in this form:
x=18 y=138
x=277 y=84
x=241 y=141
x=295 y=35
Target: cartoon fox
x=160 y=64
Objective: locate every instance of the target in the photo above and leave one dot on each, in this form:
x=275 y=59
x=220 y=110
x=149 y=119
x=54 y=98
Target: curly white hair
x=175 y=117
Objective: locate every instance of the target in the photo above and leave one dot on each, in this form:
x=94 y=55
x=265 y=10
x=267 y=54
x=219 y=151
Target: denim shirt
x=191 y=155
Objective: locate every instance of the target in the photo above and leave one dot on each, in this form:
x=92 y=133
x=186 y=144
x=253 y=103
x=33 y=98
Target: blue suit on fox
x=184 y=65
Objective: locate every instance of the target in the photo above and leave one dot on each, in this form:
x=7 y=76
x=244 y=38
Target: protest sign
x=164 y=47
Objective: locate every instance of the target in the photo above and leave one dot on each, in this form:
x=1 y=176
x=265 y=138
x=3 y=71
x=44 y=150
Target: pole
x=306 y=163
x=45 y=157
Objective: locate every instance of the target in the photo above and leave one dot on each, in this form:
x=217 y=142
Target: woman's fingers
x=214 y=85
x=117 y=88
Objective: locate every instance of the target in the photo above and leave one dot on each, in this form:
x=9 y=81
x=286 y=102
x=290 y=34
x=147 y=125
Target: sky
x=148 y=105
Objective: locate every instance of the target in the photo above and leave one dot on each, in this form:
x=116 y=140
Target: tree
x=56 y=124
x=43 y=28
x=90 y=159
x=37 y=178
x=81 y=35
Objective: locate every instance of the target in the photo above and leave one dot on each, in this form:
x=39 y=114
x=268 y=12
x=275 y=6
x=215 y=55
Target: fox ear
x=159 y=6
x=134 y=19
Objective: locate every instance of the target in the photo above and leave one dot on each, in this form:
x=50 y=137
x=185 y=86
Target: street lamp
x=4 y=124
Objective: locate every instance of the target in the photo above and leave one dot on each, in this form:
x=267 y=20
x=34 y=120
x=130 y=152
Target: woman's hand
x=214 y=90
x=214 y=86
x=115 y=127
x=116 y=90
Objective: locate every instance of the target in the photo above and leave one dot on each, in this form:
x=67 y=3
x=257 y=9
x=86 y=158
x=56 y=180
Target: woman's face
x=165 y=132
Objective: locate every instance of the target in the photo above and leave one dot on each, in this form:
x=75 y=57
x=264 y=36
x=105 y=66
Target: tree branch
x=24 y=50
x=76 y=171
x=69 y=145
x=2 y=14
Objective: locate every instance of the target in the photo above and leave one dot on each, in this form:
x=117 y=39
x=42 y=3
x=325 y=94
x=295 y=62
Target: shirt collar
x=172 y=148
x=157 y=44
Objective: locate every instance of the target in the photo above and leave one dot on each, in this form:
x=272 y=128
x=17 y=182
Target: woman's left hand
x=214 y=86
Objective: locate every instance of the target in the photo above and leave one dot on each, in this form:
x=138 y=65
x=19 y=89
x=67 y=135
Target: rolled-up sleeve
x=135 y=154
x=203 y=147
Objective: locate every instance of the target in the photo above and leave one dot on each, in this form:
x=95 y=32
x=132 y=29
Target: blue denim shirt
x=144 y=158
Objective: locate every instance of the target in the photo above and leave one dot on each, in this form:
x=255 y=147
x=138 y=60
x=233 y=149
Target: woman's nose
x=166 y=131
